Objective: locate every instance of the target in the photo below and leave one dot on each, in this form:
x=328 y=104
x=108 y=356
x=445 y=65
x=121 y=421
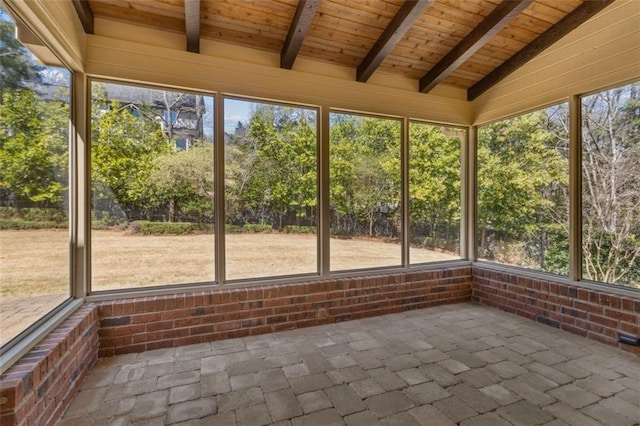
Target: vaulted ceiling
x=471 y=44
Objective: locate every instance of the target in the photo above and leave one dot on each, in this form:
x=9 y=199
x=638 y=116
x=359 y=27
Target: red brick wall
x=38 y=388
x=136 y=325
x=597 y=314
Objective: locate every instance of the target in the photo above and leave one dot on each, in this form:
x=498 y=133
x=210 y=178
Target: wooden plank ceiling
x=471 y=44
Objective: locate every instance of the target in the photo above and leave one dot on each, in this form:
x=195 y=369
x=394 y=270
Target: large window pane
x=34 y=185
x=434 y=192
x=365 y=183
x=523 y=176
x=271 y=189
x=152 y=187
x=611 y=186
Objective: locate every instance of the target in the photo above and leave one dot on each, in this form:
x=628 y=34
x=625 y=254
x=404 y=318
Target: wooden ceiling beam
x=397 y=28
x=300 y=24
x=192 y=25
x=567 y=24
x=504 y=13
x=83 y=9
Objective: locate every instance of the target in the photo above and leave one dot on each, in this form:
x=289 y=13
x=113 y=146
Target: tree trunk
x=173 y=210
x=371 y=224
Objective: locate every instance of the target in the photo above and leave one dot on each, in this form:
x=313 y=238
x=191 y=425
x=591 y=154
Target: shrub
x=168 y=228
x=295 y=229
x=27 y=224
x=103 y=220
x=34 y=214
x=232 y=229
x=340 y=232
x=254 y=228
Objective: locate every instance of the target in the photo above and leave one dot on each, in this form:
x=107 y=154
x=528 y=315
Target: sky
x=236 y=110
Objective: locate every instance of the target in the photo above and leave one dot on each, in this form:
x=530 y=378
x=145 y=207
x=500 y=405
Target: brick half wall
x=137 y=325
x=596 y=314
x=38 y=388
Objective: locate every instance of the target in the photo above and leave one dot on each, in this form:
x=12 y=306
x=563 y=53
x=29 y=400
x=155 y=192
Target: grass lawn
x=35 y=262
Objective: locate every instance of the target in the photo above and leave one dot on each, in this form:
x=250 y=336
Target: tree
x=184 y=181
x=522 y=187
x=611 y=186
x=240 y=160
x=33 y=149
x=16 y=65
x=434 y=185
x=124 y=151
x=365 y=174
x=271 y=171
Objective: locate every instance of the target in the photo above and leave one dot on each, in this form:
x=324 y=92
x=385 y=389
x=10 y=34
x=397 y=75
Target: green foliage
x=232 y=229
x=33 y=149
x=33 y=214
x=434 y=186
x=364 y=168
x=523 y=178
x=183 y=180
x=271 y=167
x=256 y=228
x=104 y=220
x=295 y=229
x=168 y=228
x=29 y=224
x=124 y=153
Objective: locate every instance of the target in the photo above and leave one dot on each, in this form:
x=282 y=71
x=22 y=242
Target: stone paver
x=524 y=413
x=574 y=396
x=400 y=419
x=426 y=393
x=500 y=394
x=609 y=417
x=366 y=388
x=189 y=410
x=428 y=415
x=389 y=403
x=474 y=398
x=328 y=417
x=489 y=419
x=314 y=401
x=149 y=405
x=463 y=365
x=345 y=399
x=283 y=404
x=363 y=418
x=256 y=415
x=570 y=415
x=310 y=383
x=455 y=409
x=238 y=399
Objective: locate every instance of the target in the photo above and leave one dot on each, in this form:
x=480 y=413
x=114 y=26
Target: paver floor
x=18 y=313
x=459 y=364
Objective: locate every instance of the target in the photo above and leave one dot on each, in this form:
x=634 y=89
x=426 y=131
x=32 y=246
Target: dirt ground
x=36 y=262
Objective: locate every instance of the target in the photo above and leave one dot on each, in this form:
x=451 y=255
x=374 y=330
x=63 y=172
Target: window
x=152 y=203
x=34 y=184
x=611 y=186
x=434 y=192
x=271 y=187
x=523 y=177
x=365 y=187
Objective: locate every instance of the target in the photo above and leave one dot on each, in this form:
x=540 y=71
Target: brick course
x=37 y=389
x=596 y=314
x=135 y=325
